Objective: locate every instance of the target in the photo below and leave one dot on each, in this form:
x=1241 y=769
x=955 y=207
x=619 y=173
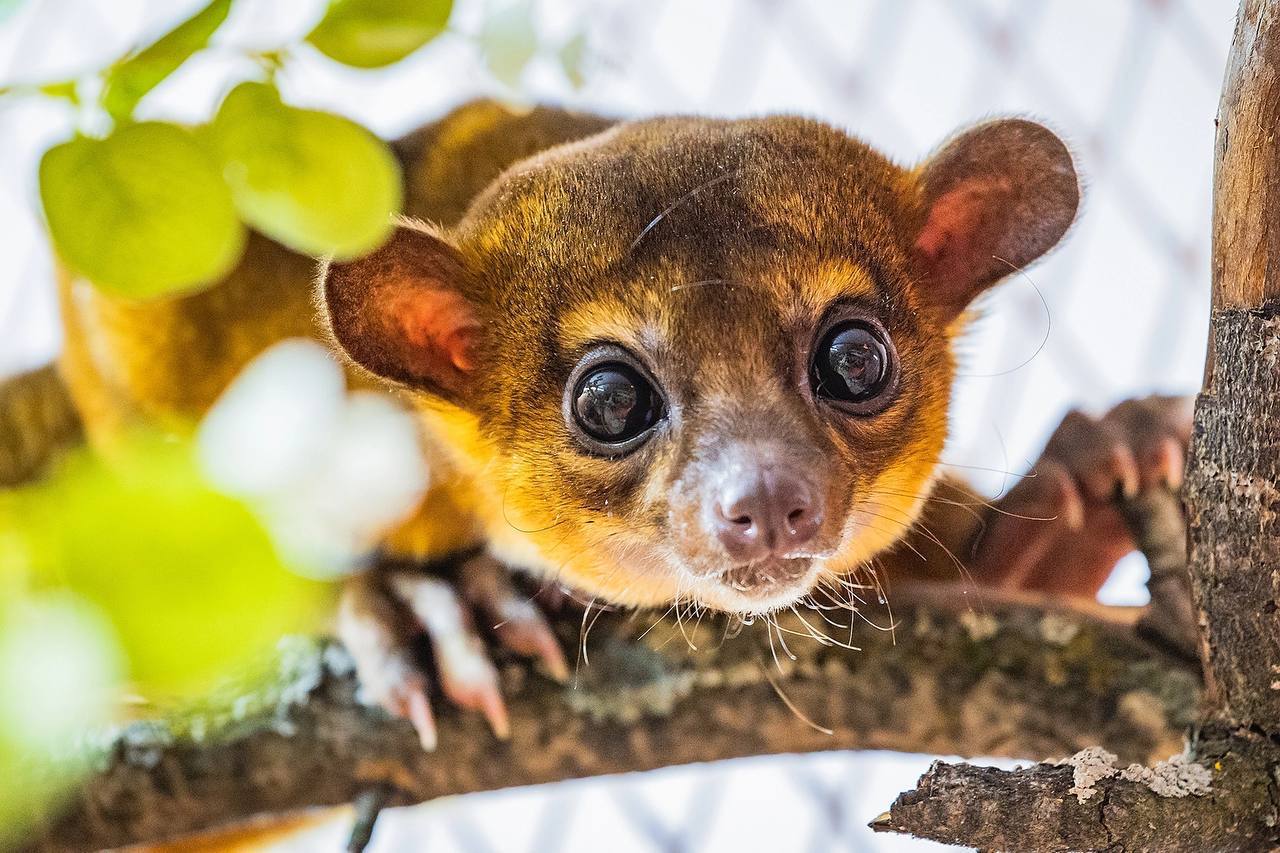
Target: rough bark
x=1234 y=477
x=1006 y=679
x=1233 y=507
x=1234 y=491
x=1087 y=803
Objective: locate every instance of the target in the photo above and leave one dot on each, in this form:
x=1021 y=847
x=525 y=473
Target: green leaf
x=188 y=578
x=142 y=213
x=508 y=40
x=133 y=77
x=314 y=181
x=374 y=33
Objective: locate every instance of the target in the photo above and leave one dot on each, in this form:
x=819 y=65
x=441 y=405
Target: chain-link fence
x=1120 y=310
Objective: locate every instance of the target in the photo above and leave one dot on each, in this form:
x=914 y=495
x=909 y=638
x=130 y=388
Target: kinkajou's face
x=707 y=360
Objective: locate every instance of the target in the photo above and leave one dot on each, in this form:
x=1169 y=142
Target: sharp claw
x=1115 y=474
x=495 y=711
x=418 y=709
x=470 y=680
x=1170 y=462
x=526 y=632
x=552 y=657
x=1071 y=507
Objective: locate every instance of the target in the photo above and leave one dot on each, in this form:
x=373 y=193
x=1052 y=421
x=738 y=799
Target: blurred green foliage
x=132 y=574
x=189 y=576
x=374 y=33
x=143 y=212
x=137 y=74
x=284 y=166
x=573 y=57
x=129 y=574
x=509 y=41
x=58 y=662
x=8 y=7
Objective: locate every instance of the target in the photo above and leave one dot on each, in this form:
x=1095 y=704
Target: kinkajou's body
x=674 y=358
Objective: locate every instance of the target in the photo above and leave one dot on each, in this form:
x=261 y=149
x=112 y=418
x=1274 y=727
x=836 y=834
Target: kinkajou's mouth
x=766 y=576
x=758 y=587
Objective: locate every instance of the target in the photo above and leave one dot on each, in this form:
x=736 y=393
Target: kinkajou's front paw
x=1059 y=530
x=385 y=610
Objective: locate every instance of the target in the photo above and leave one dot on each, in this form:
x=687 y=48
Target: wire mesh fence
x=1121 y=309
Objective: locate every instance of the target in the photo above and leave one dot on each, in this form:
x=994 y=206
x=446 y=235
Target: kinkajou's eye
x=854 y=366
x=611 y=405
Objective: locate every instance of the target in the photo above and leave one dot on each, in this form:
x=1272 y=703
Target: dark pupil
x=851 y=364
x=613 y=403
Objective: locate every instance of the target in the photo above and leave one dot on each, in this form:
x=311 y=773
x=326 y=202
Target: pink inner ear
x=440 y=326
x=956 y=218
x=961 y=234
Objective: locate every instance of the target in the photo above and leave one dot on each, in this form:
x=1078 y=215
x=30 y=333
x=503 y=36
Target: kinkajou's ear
x=996 y=197
x=400 y=313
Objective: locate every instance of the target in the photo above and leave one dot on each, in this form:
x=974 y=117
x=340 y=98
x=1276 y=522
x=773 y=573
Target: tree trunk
x=1233 y=485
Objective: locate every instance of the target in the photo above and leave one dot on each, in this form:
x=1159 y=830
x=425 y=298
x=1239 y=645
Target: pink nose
x=766 y=514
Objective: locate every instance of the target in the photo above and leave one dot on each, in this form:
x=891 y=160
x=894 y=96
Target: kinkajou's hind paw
x=1059 y=530
x=384 y=611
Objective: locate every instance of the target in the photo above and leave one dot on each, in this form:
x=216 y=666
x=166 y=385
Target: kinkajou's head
x=705 y=359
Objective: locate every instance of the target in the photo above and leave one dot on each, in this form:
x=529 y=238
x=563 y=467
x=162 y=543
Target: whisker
x=582 y=641
x=782 y=641
x=507 y=519
x=705 y=185
x=599 y=612
x=968 y=505
x=768 y=629
x=883 y=597
x=790 y=705
x=1048 y=316
x=821 y=636
x=705 y=283
x=683 y=632
x=923 y=529
x=984 y=468
x=662 y=616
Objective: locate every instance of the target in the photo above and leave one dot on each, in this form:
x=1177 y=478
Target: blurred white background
x=1121 y=310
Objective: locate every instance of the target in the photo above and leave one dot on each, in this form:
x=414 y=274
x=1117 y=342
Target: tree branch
x=1087 y=803
x=1004 y=678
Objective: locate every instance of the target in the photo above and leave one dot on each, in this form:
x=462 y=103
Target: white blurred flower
x=273 y=421
x=328 y=473
x=59 y=663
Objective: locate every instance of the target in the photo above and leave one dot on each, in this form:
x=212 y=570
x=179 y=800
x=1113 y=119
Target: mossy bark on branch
x=1008 y=679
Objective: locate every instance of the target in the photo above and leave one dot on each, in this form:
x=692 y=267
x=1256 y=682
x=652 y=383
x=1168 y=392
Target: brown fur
x=37 y=420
